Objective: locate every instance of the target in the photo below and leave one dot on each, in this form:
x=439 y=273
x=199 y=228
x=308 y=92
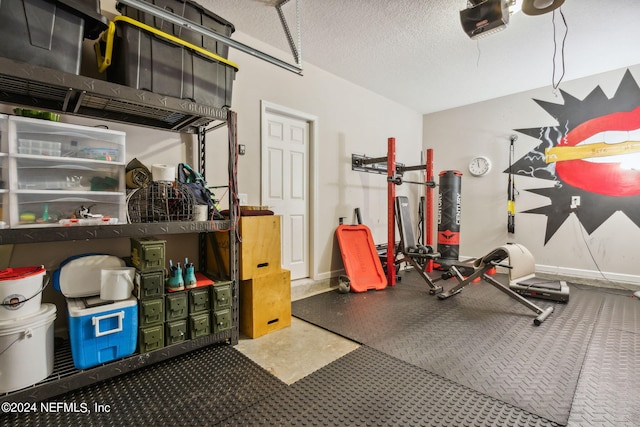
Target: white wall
x=351 y=120
x=484 y=128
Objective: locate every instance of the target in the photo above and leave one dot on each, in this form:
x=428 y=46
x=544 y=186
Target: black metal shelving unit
x=27 y=85
x=47 y=89
x=57 y=234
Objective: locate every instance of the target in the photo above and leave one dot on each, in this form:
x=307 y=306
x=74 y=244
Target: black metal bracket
x=362 y=163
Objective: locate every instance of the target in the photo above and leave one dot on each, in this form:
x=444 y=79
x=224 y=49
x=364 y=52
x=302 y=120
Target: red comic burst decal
x=594 y=153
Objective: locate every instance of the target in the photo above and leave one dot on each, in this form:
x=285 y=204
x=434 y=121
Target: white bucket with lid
x=26 y=349
x=20 y=291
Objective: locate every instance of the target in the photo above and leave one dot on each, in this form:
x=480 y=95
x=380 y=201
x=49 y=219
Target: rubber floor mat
x=369 y=388
x=480 y=338
x=609 y=385
x=201 y=388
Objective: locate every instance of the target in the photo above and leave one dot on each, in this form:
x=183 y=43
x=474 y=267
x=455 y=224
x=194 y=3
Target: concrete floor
x=296 y=351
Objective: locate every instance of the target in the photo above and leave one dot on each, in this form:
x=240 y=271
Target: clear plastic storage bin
x=53 y=174
x=59 y=174
x=44 y=209
x=47 y=138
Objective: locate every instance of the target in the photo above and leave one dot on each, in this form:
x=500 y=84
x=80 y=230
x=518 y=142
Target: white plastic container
x=116 y=284
x=81 y=275
x=26 y=349
x=45 y=137
x=20 y=291
x=57 y=171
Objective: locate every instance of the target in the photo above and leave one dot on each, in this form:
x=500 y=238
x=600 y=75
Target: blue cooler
x=101 y=331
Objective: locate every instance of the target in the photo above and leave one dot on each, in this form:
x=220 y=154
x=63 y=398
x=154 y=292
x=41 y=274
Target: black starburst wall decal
x=593 y=153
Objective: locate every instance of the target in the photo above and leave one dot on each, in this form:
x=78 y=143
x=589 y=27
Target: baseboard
x=329 y=274
x=304 y=288
x=593 y=277
x=588 y=277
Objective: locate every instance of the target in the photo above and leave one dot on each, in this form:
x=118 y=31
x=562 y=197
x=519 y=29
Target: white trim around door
x=312 y=179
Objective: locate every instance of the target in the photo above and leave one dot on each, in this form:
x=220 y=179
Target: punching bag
x=449 y=215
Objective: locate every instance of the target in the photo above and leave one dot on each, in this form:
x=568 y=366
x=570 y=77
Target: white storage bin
x=4 y=140
x=26 y=349
x=41 y=173
x=4 y=171
x=4 y=209
x=4 y=165
x=4 y=192
x=47 y=138
x=40 y=209
x=54 y=172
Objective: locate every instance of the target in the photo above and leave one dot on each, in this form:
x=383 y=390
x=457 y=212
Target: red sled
x=360 y=257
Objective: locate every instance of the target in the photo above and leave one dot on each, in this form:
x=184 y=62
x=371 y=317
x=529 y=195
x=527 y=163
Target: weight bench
x=493 y=259
x=410 y=251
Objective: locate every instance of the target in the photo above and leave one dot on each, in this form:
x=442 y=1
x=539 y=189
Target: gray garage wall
x=607 y=252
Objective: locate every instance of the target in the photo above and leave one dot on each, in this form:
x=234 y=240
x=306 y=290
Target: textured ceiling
x=416 y=53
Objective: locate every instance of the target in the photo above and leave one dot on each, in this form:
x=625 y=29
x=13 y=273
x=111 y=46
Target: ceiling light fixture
x=539 y=7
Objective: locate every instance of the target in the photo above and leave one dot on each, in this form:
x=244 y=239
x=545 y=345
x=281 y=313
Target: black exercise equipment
x=382 y=254
x=490 y=261
x=553 y=290
x=398 y=180
x=449 y=216
x=511 y=191
x=394 y=172
x=412 y=252
x=522 y=278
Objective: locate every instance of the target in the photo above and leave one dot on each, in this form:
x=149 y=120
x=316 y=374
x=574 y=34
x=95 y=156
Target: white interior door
x=285 y=185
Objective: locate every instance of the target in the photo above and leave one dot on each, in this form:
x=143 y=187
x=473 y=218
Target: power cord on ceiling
x=555 y=49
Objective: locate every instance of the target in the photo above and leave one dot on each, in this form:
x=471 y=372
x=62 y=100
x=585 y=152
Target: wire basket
x=161 y=202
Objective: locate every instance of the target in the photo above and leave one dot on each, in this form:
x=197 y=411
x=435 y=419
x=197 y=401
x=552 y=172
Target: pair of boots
x=175 y=281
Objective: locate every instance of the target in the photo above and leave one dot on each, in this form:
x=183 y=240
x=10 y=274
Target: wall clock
x=479 y=166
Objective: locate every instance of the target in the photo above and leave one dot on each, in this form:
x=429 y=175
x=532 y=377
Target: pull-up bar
x=363 y=163
x=397 y=180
